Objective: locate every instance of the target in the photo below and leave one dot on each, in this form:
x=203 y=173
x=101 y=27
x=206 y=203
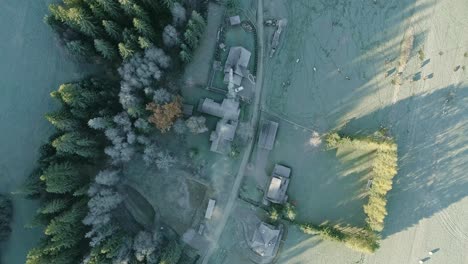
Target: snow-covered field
x=340 y=62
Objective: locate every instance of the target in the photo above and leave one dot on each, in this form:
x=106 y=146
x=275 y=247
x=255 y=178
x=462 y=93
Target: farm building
x=278 y=185
x=266 y=139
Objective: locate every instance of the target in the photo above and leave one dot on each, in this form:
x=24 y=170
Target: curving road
x=253 y=124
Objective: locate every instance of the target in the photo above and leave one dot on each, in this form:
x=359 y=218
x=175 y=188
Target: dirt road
x=248 y=151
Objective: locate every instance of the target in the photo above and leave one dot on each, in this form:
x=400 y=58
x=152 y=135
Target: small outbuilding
x=266 y=238
x=235 y=20
x=210 y=209
x=266 y=139
x=278 y=185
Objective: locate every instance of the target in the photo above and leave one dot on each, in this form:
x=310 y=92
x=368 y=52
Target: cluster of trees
x=113 y=29
x=359 y=239
x=384 y=168
x=193 y=32
x=100 y=126
x=62 y=177
x=286 y=212
x=6 y=212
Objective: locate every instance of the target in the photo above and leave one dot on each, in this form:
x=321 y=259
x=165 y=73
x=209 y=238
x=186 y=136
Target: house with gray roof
x=237 y=60
x=266 y=239
x=267 y=136
x=228 y=109
x=221 y=139
x=278 y=185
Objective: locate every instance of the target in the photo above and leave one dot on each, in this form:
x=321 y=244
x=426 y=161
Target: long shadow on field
x=430 y=131
x=331 y=54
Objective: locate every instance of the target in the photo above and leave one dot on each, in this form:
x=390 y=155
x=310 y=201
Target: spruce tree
x=80 y=48
x=125 y=51
x=111 y=7
x=74 y=95
x=63 y=120
x=144 y=42
x=127 y=6
x=112 y=29
x=105 y=48
x=80 y=19
x=54 y=206
x=143 y=28
x=61 y=178
x=76 y=143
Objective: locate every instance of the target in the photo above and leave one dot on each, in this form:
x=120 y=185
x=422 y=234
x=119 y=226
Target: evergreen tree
x=61 y=178
x=140 y=13
x=80 y=19
x=76 y=96
x=76 y=143
x=185 y=54
x=169 y=3
x=80 y=48
x=143 y=28
x=144 y=42
x=63 y=120
x=110 y=6
x=112 y=29
x=125 y=51
x=105 y=48
x=54 y=206
x=98 y=11
x=127 y=6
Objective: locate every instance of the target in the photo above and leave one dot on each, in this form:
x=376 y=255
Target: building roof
x=210 y=209
x=228 y=109
x=235 y=20
x=265 y=240
x=237 y=60
x=222 y=137
x=267 y=135
x=278 y=185
x=280 y=170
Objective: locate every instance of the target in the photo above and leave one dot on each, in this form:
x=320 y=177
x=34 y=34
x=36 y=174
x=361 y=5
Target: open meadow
x=337 y=68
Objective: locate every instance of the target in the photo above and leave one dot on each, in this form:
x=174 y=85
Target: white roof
x=210 y=209
x=235 y=20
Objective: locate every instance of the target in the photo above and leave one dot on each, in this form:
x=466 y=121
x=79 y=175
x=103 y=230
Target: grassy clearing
x=383 y=169
x=381 y=152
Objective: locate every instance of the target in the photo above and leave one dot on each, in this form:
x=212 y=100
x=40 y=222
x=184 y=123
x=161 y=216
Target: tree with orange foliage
x=164 y=115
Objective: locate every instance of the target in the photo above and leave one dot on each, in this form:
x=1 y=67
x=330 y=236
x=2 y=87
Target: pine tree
x=80 y=19
x=76 y=143
x=144 y=42
x=185 y=53
x=105 y=48
x=191 y=39
x=98 y=11
x=110 y=6
x=140 y=13
x=80 y=48
x=54 y=206
x=112 y=29
x=74 y=95
x=125 y=51
x=63 y=120
x=143 y=28
x=61 y=178
x=127 y=6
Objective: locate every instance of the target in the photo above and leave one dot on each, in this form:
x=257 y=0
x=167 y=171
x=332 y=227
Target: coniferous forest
x=104 y=120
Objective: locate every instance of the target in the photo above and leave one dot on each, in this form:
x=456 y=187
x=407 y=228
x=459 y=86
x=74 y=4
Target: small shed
x=235 y=20
x=266 y=139
x=210 y=209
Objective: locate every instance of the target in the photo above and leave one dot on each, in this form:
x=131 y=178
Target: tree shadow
x=430 y=130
